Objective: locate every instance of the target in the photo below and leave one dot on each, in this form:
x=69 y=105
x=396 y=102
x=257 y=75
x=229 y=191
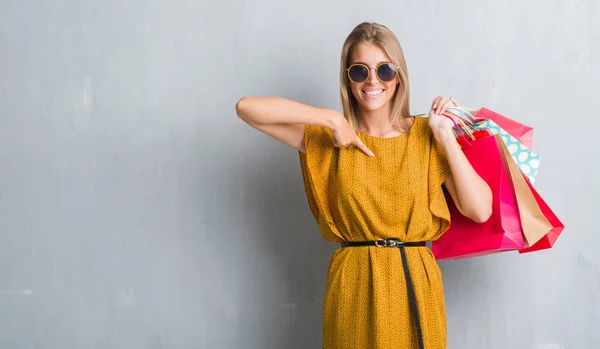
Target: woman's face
x=372 y=94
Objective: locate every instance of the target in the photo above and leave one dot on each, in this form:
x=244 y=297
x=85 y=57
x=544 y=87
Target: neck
x=376 y=122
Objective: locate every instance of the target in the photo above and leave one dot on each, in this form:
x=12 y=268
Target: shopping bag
x=502 y=231
x=533 y=222
x=527 y=160
x=518 y=130
x=557 y=226
x=522 y=132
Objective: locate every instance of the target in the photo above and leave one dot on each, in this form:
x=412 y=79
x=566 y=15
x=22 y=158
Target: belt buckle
x=380 y=243
x=386 y=243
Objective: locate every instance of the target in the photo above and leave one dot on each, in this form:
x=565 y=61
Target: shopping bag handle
x=453 y=119
x=466 y=111
x=466 y=125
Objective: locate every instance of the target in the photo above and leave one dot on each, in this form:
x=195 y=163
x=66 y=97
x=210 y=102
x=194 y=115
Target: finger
x=440 y=104
x=340 y=144
x=363 y=147
x=447 y=103
x=434 y=104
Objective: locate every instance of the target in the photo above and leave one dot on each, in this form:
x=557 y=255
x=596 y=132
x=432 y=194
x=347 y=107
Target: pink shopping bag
x=502 y=231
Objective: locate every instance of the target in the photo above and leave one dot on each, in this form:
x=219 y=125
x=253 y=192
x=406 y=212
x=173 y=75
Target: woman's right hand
x=344 y=136
x=284 y=120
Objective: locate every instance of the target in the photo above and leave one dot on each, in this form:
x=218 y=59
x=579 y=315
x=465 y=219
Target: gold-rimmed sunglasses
x=360 y=72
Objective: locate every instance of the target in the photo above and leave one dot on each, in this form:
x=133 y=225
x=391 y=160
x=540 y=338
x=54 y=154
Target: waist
x=384 y=243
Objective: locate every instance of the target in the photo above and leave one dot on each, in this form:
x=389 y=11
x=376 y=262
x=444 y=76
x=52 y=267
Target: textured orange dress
x=395 y=194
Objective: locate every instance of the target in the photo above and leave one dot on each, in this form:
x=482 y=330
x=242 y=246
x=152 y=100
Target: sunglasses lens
x=358 y=73
x=386 y=72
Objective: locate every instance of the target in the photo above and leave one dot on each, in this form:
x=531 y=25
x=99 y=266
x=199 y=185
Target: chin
x=374 y=106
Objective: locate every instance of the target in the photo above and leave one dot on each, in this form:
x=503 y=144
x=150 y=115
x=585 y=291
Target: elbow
x=240 y=107
x=482 y=215
x=483 y=211
x=478 y=211
x=246 y=111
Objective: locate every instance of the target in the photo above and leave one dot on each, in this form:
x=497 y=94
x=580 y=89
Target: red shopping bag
x=557 y=226
x=502 y=232
x=516 y=129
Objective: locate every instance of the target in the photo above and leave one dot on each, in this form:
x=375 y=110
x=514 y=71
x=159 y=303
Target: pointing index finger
x=363 y=147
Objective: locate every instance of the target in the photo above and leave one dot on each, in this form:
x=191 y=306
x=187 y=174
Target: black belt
x=409 y=284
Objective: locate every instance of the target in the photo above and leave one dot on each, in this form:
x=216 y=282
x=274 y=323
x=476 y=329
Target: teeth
x=374 y=93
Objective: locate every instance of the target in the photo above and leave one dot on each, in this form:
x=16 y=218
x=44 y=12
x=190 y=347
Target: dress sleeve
x=304 y=159
x=439 y=170
x=316 y=166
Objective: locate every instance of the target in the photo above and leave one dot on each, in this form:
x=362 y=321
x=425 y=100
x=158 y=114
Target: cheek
x=355 y=90
x=391 y=88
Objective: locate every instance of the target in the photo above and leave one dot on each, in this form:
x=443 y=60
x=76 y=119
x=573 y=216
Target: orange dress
x=395 y=194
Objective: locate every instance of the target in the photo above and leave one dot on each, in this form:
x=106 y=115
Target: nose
x=372 y=76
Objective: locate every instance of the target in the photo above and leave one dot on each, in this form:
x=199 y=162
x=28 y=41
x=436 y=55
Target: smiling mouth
x=373 y=93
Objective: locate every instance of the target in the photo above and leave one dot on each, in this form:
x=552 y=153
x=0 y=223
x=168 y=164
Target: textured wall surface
x=137 y=211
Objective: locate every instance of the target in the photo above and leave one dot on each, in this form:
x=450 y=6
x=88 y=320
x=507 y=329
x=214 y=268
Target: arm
x=284 y=120
x=470 y=193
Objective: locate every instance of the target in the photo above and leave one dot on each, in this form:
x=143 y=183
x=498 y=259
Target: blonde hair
x=369 y=32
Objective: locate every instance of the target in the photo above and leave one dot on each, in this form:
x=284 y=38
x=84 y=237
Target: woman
x=373 y=177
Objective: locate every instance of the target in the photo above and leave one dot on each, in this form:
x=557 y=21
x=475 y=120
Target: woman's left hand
x=439 y=123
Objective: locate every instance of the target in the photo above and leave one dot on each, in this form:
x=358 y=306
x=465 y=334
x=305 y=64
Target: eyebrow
x=368 y=65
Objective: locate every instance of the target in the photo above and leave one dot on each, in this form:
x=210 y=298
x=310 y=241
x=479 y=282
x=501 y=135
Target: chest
x=396 y=172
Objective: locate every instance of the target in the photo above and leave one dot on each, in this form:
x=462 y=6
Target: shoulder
x=317 y=136
x=316 y=130
x=421 y=129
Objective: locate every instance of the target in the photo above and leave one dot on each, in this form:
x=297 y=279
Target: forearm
x=472 y=193
x=276 y=110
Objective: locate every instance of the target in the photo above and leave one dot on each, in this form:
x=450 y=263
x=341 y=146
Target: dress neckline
x=405 y=134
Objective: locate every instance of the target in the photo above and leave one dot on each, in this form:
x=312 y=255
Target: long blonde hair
x=369 y=32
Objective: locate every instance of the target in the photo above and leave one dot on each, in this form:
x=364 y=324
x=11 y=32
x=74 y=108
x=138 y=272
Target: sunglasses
x=385 y=72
